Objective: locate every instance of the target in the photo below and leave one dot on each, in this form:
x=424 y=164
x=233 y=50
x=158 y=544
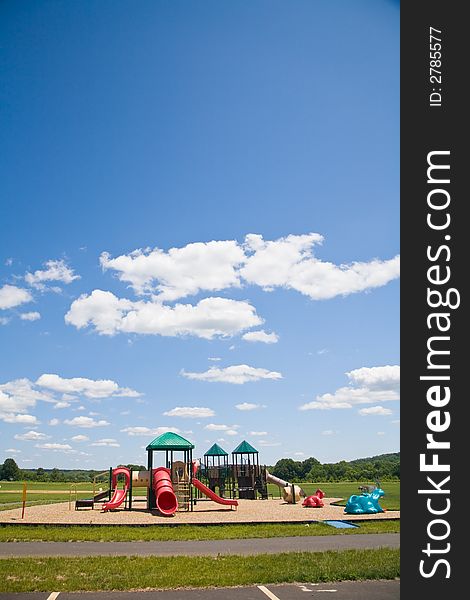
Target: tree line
x=385 y=467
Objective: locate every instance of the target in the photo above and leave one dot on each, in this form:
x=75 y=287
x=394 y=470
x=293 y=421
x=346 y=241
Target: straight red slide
x=210 y=494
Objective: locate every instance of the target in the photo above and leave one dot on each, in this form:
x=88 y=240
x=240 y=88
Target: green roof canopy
x=245 y=448
x=215 y=450
x=170 y=441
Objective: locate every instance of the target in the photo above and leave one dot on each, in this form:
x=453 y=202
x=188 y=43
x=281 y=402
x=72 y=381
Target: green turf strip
x=128 y=573
x=13 y=533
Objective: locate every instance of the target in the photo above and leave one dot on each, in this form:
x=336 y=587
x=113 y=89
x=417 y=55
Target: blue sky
x=200 y=228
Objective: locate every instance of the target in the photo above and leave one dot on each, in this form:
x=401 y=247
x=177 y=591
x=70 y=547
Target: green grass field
x=110 y=533
x=129 y=573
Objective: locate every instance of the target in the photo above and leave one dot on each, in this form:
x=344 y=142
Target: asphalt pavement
x=201 y=548
x=342 y=590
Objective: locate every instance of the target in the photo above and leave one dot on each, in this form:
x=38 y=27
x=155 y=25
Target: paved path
x=202 y=548
x=342 y=590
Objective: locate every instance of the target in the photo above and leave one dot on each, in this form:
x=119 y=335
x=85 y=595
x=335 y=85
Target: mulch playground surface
x=205 y=512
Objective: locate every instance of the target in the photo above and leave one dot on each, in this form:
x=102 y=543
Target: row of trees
x=11 y=472
x=385 y=467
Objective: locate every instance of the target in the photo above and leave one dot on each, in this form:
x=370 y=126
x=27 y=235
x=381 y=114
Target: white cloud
x=289 y=262
x=214 y=358
x=261 y=336
x=147 y=431
x=13 y=451
x=191 y=412
x=31 y=436
x=62 y=404
x=387 y=377
x=23 y=419
x=328 y=432
x=19 y=396
x=56 y=270
x=267 y=444
x=378 y=384
x=11 y=296
x=80 y=438
x=56 y=447
x=109 y=442
x=209 y=318
x=179 y=272
x=90 y=388
x=396 y=422
x=236 y=374
x=227 y=429
x=375 y=411
x=257 y=433
x=380 y=432
x=249 y=406
x=4 y=320
x=30 y=316
x=86 y=422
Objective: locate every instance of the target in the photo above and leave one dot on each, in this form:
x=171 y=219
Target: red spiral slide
x=165 y=497
x=213 y=496
x=119 y=495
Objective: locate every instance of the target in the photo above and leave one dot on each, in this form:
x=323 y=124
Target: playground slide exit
x=118 y=498
x=210 y=494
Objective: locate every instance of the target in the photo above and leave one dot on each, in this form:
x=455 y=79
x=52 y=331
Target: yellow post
x=24 y=499
x=70 y=497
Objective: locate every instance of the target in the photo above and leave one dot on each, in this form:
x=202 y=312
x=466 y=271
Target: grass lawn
x=131 y=572
x=18 y=533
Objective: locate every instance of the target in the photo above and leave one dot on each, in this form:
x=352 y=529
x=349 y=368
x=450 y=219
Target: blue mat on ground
x=340 y=524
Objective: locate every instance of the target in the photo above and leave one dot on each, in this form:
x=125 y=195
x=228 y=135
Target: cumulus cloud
x=56 y=447
x=375 y=411
x=55 y=270
x=30 y=316
x=261 y=336
x=31 y=436
x=236 y=374
x=11 y=296
x=267 y=444
x=90 y=388
x=22 y=419
x=80 y=438
x=85 y=422
x=19 y=396
x=287 y=262
x=249 y=406
x=227 y=429
x=179 y=272
x=258 y=433
x=376 y=384
x=191 y=412
x=209 y=318
x=148 y=431
x=108 y=442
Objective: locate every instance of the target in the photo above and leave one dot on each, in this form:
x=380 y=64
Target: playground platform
x=205 y=512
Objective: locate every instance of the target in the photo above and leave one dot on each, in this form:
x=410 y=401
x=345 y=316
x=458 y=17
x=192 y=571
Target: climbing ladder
x=182 y=493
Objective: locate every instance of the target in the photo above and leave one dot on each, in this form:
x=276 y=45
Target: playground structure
x=315 y=500
x=365 y=504
x=291 y=493
x=181 y=482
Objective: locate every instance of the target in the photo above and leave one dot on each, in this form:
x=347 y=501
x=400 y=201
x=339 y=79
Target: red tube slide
x=119 y=495
x=165 y=497
x=210 y=494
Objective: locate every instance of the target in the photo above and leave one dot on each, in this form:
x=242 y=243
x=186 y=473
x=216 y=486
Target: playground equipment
x=314 y=501
x=291 y=493
x=212 y=495
x=119 y=495
x=165 y=498
x=365 y=503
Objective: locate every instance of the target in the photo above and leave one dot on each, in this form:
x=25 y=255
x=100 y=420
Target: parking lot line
x=267 y=592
